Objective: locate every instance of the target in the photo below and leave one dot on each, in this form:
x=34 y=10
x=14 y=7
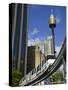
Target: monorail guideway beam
x=61 y=59
x=64 y=69
x=58 y=62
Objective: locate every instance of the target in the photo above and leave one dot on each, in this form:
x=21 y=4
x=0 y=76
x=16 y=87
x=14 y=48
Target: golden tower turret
x=52 y=20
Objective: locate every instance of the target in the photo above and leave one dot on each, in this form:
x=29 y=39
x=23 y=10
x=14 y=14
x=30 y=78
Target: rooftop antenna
x=51 y=12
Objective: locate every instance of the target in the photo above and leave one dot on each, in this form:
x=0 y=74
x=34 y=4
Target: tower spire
x=52 y=11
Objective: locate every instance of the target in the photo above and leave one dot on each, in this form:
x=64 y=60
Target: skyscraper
x=49 y=46
x=34 y=57
x=46 y=46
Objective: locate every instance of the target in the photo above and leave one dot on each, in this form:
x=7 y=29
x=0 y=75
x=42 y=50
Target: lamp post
x=52 y=25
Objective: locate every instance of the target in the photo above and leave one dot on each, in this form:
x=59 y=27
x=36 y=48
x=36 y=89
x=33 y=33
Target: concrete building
x=18 y=27
x=34 y=57
x=41 y=45
x=46 y=46
x=49 y=46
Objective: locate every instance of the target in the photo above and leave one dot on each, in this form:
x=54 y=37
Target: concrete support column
x=14 y=28
x=20 y=39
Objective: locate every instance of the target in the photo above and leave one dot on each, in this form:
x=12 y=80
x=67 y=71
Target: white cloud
x=35 y=31
x=30 y=42
x=37 y=40
x=33 y=41
x=58 y=16
x=58 y=49
x=58 y=19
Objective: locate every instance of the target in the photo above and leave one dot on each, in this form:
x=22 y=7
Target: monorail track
x=57 y=63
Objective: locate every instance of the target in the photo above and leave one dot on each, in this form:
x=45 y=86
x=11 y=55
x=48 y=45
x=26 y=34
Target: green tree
x=57 y=76
x=16 y=76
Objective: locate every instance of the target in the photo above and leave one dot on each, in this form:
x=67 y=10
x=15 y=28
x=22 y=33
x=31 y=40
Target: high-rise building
x=48 y=49
x=41 y=45
x=46 y=46
x=18 y=26
x=34 y=57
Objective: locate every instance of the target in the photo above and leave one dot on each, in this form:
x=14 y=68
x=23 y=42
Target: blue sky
x=38 y=27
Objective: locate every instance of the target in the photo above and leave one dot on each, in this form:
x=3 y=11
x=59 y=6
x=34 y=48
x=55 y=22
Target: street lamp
x=52 y=25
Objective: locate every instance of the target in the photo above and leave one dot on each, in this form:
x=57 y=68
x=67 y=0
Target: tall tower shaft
x=52 y=25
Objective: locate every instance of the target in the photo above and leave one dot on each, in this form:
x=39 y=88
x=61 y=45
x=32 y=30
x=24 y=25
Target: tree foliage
x=58 y=76
x=16 y=76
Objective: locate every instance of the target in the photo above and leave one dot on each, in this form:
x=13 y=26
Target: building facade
x=34 y=57
x=46 y=46
x=49 y=46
